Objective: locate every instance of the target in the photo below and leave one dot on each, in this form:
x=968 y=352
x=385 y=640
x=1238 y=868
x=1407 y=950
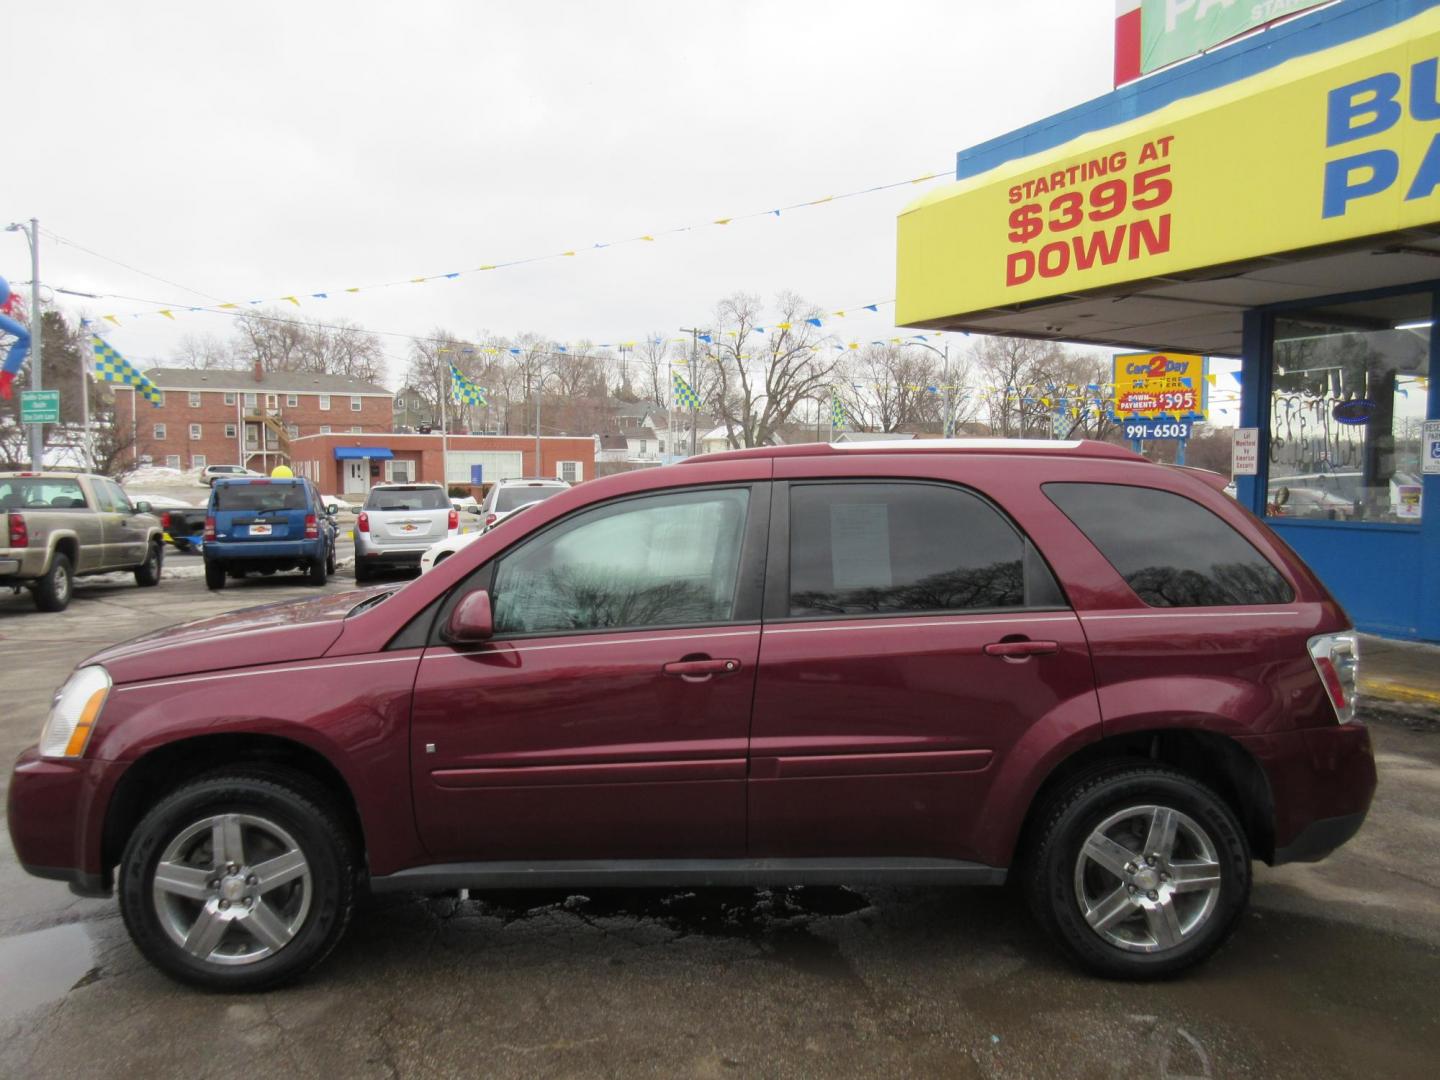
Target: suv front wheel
x=1138 y=871
x=238 y=882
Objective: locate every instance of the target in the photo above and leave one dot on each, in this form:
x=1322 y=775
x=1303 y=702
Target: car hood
x=291 y=630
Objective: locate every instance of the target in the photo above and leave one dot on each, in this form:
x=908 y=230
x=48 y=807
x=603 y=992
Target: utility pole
x=694 y=333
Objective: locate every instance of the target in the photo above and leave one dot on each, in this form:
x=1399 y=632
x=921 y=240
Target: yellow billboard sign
x=1160 y=386
x=1329 y=147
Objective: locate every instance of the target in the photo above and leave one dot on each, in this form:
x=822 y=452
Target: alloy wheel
x=1147 y=878
x=232 y=889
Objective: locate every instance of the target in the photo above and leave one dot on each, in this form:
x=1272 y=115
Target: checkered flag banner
x=685 y=397
x=839 y=415
x=463 y=391
x=112 y=367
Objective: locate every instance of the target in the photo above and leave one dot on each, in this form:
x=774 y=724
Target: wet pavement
x=1334 y=972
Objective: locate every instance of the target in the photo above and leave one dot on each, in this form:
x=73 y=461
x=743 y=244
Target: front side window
x=112 y=494
x=888 y=548
x=1171 y=551
x=665 y=560
x=1347 y=408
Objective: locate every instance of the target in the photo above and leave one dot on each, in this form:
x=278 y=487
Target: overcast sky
x=264 y=149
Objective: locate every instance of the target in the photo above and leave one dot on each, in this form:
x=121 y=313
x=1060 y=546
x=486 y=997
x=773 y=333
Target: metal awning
x=355 y=453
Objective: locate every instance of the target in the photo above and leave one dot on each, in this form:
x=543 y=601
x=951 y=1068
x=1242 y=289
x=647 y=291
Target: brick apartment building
x=217 y=417
x=350 y=465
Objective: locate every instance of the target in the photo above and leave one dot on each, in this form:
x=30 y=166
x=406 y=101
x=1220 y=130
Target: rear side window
x=1171 y=551
x=408 y=498
x=260 y=497
x=883 y=548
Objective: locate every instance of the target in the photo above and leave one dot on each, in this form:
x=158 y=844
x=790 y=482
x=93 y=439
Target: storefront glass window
x=1346 y=409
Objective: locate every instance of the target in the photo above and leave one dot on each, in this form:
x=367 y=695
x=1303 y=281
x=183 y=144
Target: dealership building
x=1275 y=201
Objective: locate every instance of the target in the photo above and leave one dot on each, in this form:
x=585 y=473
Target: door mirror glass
x=471 y=620
x=142 y=507
x=332 y=509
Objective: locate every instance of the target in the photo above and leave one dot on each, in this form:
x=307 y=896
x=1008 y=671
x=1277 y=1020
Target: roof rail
x=1088 y=448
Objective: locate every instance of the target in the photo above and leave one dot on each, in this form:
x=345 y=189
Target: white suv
x=225 y=472
x=507 y=496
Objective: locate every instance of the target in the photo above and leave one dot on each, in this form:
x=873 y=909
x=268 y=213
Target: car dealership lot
x=1332 y=972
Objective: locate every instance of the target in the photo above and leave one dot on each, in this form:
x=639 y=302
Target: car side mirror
x=332 y=509
x=142 y=507
x=471 y=620
x=473 y=510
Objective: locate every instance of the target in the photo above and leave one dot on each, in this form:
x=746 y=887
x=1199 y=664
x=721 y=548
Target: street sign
x=40 y=406
x=1157 y=429
x=1430 y=447
x=1245 y=452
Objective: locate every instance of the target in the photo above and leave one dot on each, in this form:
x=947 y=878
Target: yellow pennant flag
x=721 y=221
x=292 y=299
x=112 y=318
x=227 y=307
x=167 y=313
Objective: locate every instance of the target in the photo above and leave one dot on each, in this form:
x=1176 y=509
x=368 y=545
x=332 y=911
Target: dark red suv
x=939 y=662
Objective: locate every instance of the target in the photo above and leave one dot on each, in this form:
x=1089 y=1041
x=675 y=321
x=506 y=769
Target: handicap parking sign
x=1430 y=459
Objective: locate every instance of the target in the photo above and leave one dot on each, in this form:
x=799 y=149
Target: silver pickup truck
x=57 y=525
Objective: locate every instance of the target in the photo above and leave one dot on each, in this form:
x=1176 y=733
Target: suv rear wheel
x=238 y=882
x=214 y=575
x=1138 y=871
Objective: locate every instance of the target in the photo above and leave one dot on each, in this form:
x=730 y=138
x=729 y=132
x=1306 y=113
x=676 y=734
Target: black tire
x=330 y=562
x=53 y=591
x=317 y=573
x=148 y=572
x=1052 y=865
x=319 y=909
x=362 y=572
x=214 y=576
x=439 y=559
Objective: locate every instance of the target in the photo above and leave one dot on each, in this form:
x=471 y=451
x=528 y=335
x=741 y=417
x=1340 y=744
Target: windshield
x=507 y=499
x=407 y=498
x=41 y=493
x=260 y=497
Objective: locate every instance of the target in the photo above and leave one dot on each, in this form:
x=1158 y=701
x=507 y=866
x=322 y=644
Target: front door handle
x=1019 y=650
x=699 y=670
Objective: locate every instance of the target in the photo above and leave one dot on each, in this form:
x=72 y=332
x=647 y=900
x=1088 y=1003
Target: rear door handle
x=1019 y=650
x=700 y=669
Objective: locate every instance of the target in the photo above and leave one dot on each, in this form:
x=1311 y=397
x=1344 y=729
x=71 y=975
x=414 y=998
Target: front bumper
x=56 y=812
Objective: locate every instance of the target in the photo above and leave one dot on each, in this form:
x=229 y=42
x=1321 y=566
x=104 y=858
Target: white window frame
x=272 y=401
x=324 y=429
x=198 y=461
x=159 y=433
x=357 y=430
x=579 y=471
x=231 y=431
x=172 y=461
x=252 y=401
x=229 y=397
x=325 y=402
x=197 y=432
x=356 y=403
x=195 y=399
x=292 y=430
x=292 y=401
x=409 y=470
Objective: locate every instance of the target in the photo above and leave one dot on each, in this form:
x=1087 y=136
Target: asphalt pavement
x=1334 y=972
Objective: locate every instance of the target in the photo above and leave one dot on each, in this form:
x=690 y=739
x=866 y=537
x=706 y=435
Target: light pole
x=37 y=343
x=948 y=414
x=694 y=332
x=539 y=385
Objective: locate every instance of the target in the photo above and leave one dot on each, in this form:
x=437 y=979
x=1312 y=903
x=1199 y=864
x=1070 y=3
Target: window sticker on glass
x=860 y=545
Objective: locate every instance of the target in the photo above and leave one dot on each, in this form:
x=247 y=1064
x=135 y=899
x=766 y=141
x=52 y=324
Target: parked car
x=947 y=662
x=184 y=528
x=507 y=496
x=264 y=524
x=399 y=522
x=438 y=552
x=58 y=526
x=211 y=473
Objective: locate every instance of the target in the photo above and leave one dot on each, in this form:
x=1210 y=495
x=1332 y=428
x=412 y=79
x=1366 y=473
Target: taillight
x=165 y=521
x=1337 y=658
x=312 y=527
x=363 y=522
x=454 y=522
x=19 y=531
x=489 y=520
x=209 y=528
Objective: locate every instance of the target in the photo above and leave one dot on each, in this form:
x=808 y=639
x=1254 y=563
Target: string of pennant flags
x=300 y=298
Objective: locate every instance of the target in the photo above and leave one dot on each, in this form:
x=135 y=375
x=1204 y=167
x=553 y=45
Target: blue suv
x=267 y=524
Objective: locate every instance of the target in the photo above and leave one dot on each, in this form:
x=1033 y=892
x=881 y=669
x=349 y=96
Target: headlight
x=74 y=712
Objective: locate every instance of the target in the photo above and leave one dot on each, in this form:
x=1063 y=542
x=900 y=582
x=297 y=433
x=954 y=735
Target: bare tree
x=755 y=376
x=282 y=343
x=892 y=388
x=651 y=367
x=1014 y=372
